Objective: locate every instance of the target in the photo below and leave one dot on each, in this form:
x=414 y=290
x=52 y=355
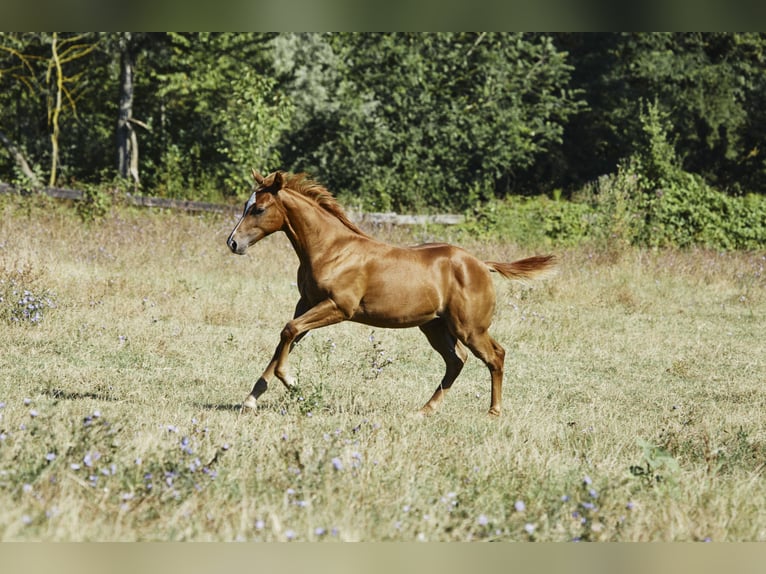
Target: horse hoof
x=248 y=404
x=494 y=414
x=423 y=413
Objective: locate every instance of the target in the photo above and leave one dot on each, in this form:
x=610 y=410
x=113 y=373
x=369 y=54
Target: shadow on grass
x=78 y=396
x=234 y=408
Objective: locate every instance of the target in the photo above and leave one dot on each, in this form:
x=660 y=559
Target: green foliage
x=658 y=134
x=529 y=220
x=433 y=120
x=680 y=208
x=615 y=212
x=657 y=465
x=219 y=114
x=95 y=203
x=650 y=201
x=692 y=213
x=711 y=85
x=252 y=124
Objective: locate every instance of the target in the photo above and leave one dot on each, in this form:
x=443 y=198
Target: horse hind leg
x=453 y=353
x=493 y=355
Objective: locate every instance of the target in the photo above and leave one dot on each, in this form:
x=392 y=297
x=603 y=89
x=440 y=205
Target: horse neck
x=311 y=230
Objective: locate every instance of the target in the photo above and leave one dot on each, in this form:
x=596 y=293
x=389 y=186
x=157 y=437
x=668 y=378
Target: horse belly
x=408 y=301
x=400 y=320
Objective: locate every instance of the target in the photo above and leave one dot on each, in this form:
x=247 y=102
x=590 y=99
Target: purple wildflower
x=185 y=446
x=520 y=506
x=482 y=520
x=90 y=458
x=337 y=463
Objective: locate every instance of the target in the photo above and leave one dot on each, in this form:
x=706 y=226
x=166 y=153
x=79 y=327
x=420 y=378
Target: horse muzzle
x=238 y=248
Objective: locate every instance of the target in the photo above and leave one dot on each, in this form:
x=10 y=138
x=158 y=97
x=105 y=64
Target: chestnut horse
x=345 y=275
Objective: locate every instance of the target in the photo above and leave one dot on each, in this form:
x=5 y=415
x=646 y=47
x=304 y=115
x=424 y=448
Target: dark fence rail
x=203 y=206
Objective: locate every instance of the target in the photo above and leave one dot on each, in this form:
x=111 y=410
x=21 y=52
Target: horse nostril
x=232 y=245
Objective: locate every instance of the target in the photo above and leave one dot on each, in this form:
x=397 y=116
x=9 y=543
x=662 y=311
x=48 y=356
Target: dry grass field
x=634 y=404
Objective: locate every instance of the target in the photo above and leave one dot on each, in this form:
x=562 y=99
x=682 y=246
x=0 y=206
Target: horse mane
x=307 y=187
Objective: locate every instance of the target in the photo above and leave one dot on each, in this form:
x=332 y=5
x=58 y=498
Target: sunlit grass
x=633 y=405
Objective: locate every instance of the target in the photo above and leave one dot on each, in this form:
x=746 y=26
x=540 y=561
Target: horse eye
x=258 y=210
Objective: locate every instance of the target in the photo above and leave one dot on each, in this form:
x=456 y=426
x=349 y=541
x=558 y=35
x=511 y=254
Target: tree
x=63 y=51
x=428 y=120
x=711 y=85
x=127 y=141
x=18 y=80
x=213 y=111
x=17 y=65
x=47 y=76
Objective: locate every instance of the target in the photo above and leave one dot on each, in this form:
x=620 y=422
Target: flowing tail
x=536 y=267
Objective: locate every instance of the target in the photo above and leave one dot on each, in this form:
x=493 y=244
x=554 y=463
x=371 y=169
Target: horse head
x=262 y=215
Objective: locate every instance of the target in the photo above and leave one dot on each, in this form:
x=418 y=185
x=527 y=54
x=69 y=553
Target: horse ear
x=257 y=177
x=273 y=182
x=278 y=181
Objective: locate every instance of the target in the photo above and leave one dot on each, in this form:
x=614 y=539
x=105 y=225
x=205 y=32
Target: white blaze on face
x=249 y=203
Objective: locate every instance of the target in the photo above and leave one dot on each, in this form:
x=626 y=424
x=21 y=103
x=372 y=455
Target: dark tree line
x=389 y=121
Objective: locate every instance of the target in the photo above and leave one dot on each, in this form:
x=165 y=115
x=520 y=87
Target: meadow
x=634 y=403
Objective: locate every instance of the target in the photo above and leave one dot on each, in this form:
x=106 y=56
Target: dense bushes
x=680 y=216
x=651 y=201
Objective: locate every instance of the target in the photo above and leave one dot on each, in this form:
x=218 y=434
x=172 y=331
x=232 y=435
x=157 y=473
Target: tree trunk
x=127 y=142
x=20 y=160
x=54 y=110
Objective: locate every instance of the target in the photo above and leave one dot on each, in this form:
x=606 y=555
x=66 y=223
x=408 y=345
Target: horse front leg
x=325 y=313
x=263 y=381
